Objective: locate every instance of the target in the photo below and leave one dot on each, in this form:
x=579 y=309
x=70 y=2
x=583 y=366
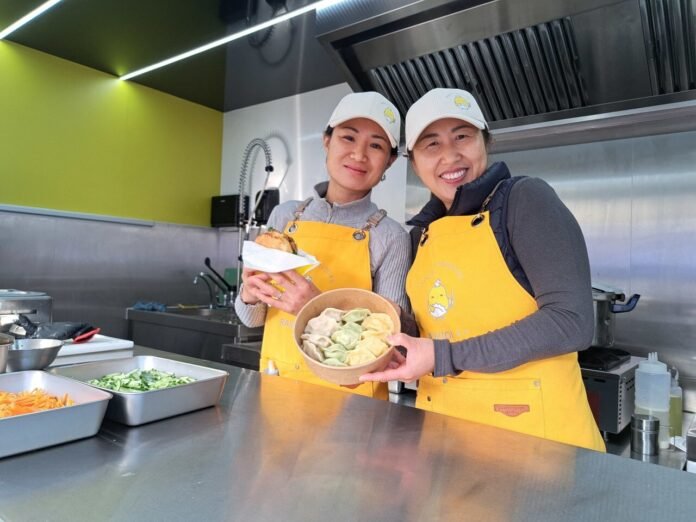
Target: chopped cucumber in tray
x=140 y=381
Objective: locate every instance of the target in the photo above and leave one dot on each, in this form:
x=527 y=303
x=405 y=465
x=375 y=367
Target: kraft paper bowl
x=344 y=299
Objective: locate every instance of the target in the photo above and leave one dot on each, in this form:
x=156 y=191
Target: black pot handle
x=627 y=307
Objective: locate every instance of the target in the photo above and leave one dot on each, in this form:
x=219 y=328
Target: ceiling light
x=27 y=18
x=241 y=34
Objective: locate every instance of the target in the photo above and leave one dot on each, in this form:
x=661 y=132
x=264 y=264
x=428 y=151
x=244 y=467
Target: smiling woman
x=500 y=286
x=356 y=244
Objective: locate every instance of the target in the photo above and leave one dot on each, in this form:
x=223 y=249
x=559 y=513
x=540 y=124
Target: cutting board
x=98 y=348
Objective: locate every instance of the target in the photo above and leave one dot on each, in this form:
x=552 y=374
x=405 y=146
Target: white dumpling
x=311 y=349
x=333 y=313
x=321 y=341
x=322 y=325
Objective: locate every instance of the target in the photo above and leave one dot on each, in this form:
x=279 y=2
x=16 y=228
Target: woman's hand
x=293 y=294
x=251 y=285
x=419 y=360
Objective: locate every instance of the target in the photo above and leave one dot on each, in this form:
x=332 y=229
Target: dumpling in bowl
x=356 y=315
x=333 y=313
x=333 y=362
x=382 y=336
x=378 y=322
x=373 y=345
x=348 y=337
x=358 y=357
x=311 y=349
x=322 y=325
x=335 y=351
x=320 y=341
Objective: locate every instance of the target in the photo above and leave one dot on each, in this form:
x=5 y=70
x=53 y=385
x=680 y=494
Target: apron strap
x=478 y=218
x=298 y=213
x=372 y=222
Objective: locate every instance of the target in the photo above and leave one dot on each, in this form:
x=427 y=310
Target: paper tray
x=46 y=428
x=136 y=408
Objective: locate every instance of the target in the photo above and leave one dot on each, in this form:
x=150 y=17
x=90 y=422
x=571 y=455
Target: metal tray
x=136 y=408
x=45 y=428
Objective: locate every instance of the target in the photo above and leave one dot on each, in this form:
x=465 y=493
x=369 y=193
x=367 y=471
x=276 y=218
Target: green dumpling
x=348 y=337
x=335 y=351
x=333 y=362
x=356 y=315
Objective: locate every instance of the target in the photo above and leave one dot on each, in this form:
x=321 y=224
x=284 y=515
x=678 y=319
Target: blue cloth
x=150 y=306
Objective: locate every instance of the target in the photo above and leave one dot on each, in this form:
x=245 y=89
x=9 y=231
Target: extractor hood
x=611 y=68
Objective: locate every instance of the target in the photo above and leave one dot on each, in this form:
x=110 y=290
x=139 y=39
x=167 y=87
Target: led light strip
x=241 y=34
x=27 y=18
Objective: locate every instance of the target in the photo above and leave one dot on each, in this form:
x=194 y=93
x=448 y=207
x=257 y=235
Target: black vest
x=498 y=209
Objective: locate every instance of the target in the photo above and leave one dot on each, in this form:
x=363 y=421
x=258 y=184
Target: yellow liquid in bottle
x=675 y=415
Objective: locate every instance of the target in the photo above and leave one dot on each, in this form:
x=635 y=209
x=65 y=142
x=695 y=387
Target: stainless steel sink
x=214 y=314
x=197 y=332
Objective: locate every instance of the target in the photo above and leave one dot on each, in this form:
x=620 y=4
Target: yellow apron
x=345 y=263
x=460 y=287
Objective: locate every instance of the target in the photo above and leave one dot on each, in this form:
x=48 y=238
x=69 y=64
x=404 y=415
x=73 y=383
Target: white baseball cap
x=373 y=106
x=438 y=104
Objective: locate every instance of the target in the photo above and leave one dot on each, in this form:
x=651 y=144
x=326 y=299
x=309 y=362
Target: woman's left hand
x=419 y=360
x=296 y=292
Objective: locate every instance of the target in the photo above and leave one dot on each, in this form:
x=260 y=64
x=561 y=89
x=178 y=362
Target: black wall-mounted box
x=224 y=211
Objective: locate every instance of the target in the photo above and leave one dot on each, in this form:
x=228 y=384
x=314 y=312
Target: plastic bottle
x=675 y=406
x=653 y=383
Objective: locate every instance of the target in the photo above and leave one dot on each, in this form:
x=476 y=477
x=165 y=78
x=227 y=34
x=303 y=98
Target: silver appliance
x=607 y=303
x=611 y=394
x=530 y=64
x=37 y=306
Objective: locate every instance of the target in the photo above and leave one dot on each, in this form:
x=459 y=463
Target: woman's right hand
x=251 y=287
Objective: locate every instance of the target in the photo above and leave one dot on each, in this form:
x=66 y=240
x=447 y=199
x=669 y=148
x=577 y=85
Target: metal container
x=45 y=428
x=605 y=306
x=6 y=342
x=36 y=306
x=135 y=408
x=644 y=432
x=32 y=354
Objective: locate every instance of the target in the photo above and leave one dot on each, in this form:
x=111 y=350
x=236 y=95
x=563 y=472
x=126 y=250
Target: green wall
x=75 y=139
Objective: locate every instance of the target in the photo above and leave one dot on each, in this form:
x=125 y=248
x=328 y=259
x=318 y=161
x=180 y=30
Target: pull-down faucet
x=220 y=296
x=206 y=279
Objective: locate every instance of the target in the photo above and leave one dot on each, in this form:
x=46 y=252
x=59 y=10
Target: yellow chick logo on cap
x=438 y=300
x=389 y=115
x=462 y=102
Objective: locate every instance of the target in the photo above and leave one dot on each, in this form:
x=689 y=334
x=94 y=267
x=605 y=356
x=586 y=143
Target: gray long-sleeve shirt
x=551 y=249
x=389 y=244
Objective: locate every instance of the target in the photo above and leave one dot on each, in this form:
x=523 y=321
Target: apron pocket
x=511 y=404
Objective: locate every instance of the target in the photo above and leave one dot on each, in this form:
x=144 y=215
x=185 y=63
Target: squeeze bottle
x=653 y=383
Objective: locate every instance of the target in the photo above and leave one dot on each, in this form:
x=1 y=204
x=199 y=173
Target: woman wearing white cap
x=500 y=286
x=357 y=245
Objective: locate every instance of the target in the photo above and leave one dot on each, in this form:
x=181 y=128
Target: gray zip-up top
x=390 y=249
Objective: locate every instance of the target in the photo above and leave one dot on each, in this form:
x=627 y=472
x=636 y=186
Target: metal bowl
x=32 y=354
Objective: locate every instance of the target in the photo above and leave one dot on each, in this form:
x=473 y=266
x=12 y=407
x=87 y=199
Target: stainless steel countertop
x=276 y=449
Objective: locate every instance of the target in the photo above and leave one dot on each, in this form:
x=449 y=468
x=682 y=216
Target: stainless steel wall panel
x=634 y=200
x=94 y=270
